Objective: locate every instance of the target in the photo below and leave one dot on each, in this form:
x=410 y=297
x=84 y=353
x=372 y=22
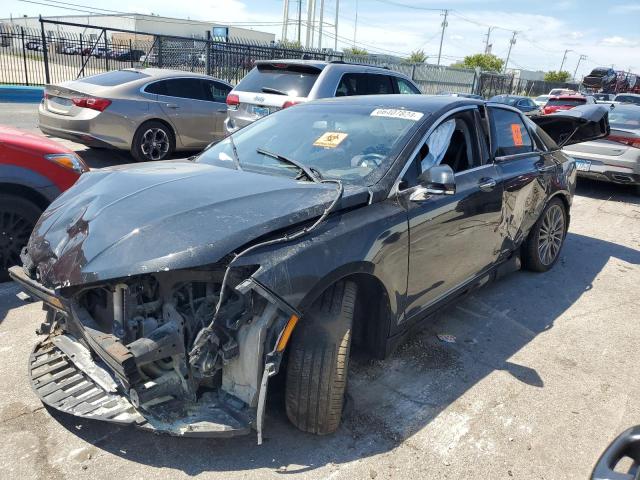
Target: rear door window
x=364 y=84
x=292 y=80
x=405 y=87
x=510 y=134
x=219 y=91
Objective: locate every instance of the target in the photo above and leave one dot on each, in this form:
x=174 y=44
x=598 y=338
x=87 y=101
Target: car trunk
x=580 y=124
x=59 y=98
x=606 y=146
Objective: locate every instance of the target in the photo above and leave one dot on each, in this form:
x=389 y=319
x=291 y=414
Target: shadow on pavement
x=608 y=191
x=8 y=292
x=393 y=399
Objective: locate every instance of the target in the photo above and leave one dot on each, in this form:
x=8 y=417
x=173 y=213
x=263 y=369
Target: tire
x=18 y=216
x=535 y=256
x=319 y=361
x=156 y=139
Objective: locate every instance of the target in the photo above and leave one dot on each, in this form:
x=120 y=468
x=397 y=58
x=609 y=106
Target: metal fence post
x=159 y=60
x=81 y=50
x=106 y=50
x=207 y=49
x=24 y=57
x=45 y=53
x=131 y=53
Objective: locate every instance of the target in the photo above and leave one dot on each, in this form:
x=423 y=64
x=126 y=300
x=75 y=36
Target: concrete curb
x=21 y=94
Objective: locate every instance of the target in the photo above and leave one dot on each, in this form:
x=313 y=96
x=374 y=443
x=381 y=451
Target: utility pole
x=486 y=46
x=582 y=57
x=299 y=20
x=313 y=22
x=321 y=22
x=355 y=26
x=285 y=19
x=512 y=42
x=564 y=57
x=444 y=25
x=309 y=19
x=335 y=43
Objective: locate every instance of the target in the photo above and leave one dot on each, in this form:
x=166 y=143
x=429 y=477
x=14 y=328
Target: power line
x=412 y=7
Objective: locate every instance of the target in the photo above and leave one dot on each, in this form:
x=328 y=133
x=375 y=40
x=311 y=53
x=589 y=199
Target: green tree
x=553 y=76
x=417 y=56
x=289 y=44
x=486 y=62
x=355 y=51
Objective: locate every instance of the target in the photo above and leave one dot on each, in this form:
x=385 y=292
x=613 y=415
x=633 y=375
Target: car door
x=453 y=238
x=525 y=171
x=187 y=105
x=218 y=92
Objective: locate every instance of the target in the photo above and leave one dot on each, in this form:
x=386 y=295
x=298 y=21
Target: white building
x=151 y=24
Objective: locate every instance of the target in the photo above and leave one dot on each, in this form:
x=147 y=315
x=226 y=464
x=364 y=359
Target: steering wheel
x=368 y=158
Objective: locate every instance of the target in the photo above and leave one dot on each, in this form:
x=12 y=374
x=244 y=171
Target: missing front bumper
x=65 y=377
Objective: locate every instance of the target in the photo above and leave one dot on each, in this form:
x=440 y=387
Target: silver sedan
x=615 y=158
x=151 y=112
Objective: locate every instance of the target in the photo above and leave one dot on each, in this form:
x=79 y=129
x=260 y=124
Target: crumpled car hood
x=160 y=216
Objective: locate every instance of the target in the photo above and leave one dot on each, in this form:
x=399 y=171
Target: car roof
x=322 y=64
x=420 y=103
x=567 y=97
x=167 y=73
x=628 y=94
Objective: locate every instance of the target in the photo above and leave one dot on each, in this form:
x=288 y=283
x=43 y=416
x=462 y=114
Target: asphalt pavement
x=541 y=375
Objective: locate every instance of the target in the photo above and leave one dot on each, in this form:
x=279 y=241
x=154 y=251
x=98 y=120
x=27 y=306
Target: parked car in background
x=186 y=285
x=561 y=91
x=633 y=98
x=603 y=97
x=130 y=56
x=36 y=46
x=463 y=95
x=522 y=103
x=565 y=102
x=600 y=78
x=541 y=100
x=150 y=112
x=615 y=158
x=149 y=59
x=33 y=172
x=276 y=84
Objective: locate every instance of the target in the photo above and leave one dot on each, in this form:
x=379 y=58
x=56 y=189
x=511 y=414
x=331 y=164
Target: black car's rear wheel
x=542 y=248
x=18 y=216
x=153 y=141
x=319 y=361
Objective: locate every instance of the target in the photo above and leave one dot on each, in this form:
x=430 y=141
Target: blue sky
x=606 y=31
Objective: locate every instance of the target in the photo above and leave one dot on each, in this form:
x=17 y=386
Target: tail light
x=630 y=141
x=93 y=103
x=233 y=100
x=289 y=103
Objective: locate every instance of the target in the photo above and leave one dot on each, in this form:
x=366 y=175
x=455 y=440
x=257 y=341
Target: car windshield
x=569 y=102
x=352 y=143
x=625 y=118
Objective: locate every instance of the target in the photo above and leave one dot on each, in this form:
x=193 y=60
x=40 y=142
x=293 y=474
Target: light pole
x=564 y=57
x=444 y=25
x=582 y=57
x=512 y=42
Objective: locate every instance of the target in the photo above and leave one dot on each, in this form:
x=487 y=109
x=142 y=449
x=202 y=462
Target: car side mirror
x=438 y=180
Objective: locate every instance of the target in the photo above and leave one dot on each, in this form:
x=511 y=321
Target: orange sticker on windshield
x=330 y=139
x=516 y=134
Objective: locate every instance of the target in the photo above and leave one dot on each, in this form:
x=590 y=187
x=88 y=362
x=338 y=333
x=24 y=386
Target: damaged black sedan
x=175 y=290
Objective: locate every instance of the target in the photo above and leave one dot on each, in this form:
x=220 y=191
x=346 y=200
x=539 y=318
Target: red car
x=33 y=171
x=565 y=102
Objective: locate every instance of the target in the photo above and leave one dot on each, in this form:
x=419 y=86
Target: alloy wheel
x=155 y=144
x=551 y=234
x=14 y=234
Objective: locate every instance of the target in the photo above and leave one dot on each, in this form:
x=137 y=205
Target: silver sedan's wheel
x=551 y=234
x=155 y=144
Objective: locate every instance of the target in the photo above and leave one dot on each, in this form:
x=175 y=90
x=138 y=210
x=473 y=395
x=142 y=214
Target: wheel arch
x=25 y=192
x=165 y=122
x=565 y=198
x=375 y=306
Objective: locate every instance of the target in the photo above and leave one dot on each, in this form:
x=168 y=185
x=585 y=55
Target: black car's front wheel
x=319 y=361
x=153 y=140
x=18 y=216
x=542 y=248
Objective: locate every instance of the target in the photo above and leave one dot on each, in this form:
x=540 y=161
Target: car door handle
x=172 y=105
x=487 y=184
x=542 y=168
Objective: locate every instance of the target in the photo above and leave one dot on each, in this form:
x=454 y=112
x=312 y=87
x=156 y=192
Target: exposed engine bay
x=142 y=331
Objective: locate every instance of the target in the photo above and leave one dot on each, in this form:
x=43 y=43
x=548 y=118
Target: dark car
x=522 y=103
x=33 y=171
x=129 y=56
x=175 y=288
